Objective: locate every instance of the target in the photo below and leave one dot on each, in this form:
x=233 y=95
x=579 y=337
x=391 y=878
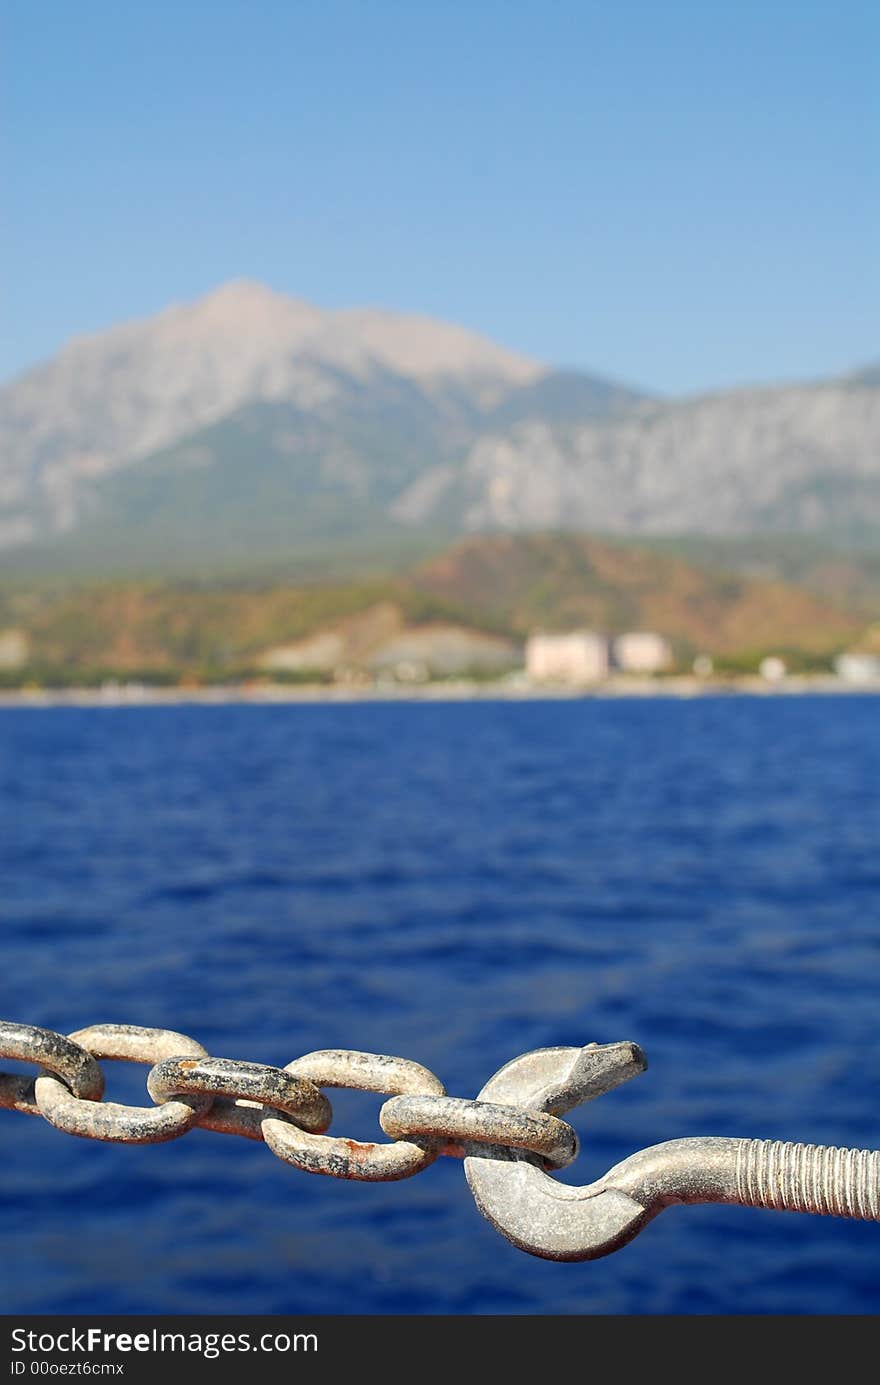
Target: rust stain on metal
x=453 y=1149
x=359 y=1151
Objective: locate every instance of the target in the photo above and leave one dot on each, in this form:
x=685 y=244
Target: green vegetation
x=218 y=630
x=796 y=661
x=842 y=567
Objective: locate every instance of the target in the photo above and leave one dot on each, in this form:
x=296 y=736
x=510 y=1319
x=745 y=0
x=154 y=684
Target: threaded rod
x=809 y=1178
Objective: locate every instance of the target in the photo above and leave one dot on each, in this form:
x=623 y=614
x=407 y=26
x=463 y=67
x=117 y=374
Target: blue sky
x=680 y=195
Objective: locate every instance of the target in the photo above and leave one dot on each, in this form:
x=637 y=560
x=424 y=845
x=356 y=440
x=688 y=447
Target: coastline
x=458 y=690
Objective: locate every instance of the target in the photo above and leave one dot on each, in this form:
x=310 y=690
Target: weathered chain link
x=257 y=1082
x=284 y=1107
x=30 y=1044
x=107 y=1120
x=465 y=1123
x=341 y=1158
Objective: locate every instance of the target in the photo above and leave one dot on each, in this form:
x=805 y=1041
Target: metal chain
x=510 y=1137
x=284 y=1107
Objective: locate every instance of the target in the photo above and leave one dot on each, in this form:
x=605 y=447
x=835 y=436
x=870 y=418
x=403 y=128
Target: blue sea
x=456 y=884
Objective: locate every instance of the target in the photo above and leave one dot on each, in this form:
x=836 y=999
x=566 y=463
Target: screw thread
x=809 y=1178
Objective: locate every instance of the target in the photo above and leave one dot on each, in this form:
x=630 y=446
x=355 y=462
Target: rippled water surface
x=457 y=884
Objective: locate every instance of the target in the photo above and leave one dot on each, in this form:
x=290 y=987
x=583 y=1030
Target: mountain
x=250 y=427
x=107 y=402
x=869 y=375
x=801 y=458
x=472 y=605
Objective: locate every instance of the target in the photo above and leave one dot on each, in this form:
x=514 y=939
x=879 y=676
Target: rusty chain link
x=107 y=1120
x=466 y=1125
x=510 y=1138
x=341 y=1158
x=30 y=1044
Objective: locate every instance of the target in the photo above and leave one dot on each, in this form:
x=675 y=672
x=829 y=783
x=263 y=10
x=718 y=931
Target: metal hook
x=559 y=1222
x=523 y=1202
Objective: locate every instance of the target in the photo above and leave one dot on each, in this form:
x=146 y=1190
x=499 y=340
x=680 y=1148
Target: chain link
x=269 y=1087
x=285 y=1108
x=29 y=1044
x=342 y=1158
x=107 y=1120
x=465 y=1124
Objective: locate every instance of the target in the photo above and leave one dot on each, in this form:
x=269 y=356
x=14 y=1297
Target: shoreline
x=461 y=690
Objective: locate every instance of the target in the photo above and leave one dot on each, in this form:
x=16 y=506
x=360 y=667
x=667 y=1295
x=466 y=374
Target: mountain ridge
x=250 y=421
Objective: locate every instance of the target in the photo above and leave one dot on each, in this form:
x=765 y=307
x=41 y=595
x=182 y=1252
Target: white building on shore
x=578 y=657
x=857 y=668
x=642 y=651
